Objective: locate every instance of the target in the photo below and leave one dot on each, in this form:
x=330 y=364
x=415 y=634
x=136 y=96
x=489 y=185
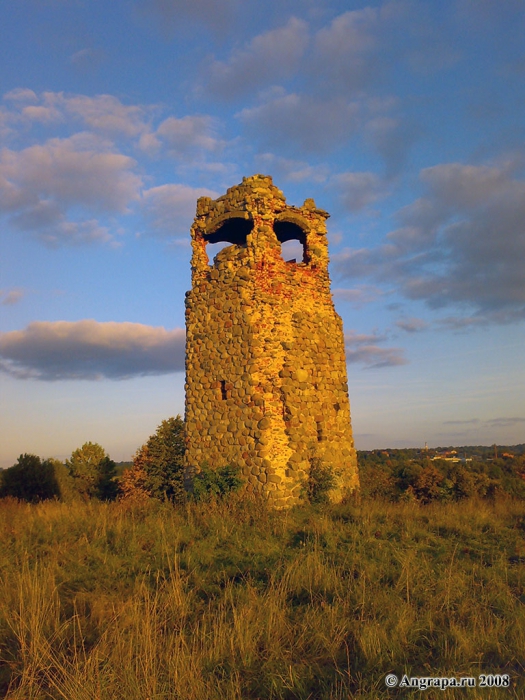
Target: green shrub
x=66 y=483
x=216 y=482
x=107 y=487
x=321 y=480
x=377 y=482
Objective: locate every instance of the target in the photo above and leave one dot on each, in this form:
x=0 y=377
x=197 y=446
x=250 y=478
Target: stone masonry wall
x=266 y=385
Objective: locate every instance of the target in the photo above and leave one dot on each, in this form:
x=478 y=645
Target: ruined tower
x=266 y=385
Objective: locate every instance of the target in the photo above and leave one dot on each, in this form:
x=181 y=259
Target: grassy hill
x=227 y=600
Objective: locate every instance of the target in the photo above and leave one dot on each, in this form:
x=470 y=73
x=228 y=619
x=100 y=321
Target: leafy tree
x=377 y=482
x=132 y=484
x=428 y=484
x=30 y=479
x=463 y=482
x=107 y=486
x=93 y=472
x=161 y=458
x=406 y=473
x=66 y=483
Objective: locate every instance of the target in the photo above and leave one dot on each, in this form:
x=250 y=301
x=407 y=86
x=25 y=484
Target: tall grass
x=230 y=600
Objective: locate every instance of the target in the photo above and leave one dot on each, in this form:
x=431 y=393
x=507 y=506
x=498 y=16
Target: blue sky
x=404 y=119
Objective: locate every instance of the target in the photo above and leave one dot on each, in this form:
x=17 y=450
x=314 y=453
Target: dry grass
x=214 y=601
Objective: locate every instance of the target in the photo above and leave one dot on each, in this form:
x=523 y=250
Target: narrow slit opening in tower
x=233 y=231
x=293 y=241
x=223 y=390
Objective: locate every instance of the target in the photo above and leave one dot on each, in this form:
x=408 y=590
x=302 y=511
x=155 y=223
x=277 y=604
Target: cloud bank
x=41 y=185
x=89 y=350
x=216 y=14
x=169 y=209
x=268 y=58
x=70 y=190
x=364 y=349
x=461 y=244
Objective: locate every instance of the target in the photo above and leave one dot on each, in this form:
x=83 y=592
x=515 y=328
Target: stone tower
x=266 y=385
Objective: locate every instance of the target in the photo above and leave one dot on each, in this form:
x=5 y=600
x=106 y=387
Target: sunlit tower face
x=266 y=383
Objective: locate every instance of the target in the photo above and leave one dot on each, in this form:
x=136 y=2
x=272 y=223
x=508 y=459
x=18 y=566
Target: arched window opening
x=233 y=231
x=293 y=241
x=213 y=248
x=292 y=251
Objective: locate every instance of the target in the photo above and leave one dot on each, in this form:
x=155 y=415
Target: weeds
x=226 y=599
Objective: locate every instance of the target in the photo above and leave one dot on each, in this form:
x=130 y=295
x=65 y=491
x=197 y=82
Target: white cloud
x=302 y=122
x=359 y=48
x=412 y=325
x=9 y=297
x=5 y=129
x=292 y=170
x=20 y=95
x=41 y=183
x=505 y=422
x=464 y=187
x=40 y=113
x=54 y=188
x=392 y=138
x=363 y=348
x=87 y=59
x=500 y=317
x=189 y=133
x=65 y=232
x=107 y=114
x=374 y=357
x=266 y=59
x=103 y=113
x=90 y=350
x=346 y=52
x=170 y=209
x=70 y=171
x=191 y=138
x=358 y=189
x=355 y=339
x=216 y=14
x=358 y=296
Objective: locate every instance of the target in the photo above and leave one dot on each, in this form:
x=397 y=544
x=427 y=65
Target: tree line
x=157 y=471
x=419 y=475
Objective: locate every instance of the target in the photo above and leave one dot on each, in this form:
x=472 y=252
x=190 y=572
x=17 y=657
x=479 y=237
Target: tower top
x=254 y=217
x=251 y=193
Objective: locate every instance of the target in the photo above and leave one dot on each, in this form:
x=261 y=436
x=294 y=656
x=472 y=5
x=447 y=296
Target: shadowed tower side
x=266 y=384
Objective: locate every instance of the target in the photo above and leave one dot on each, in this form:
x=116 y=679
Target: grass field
x=230 y=601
